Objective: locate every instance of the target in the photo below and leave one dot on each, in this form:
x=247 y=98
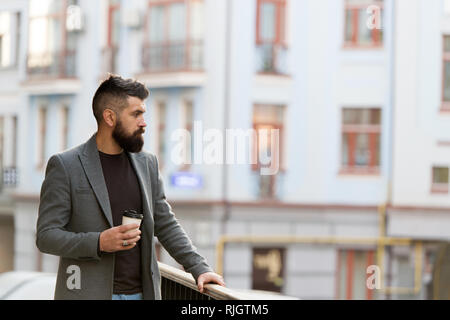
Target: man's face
x=130 y=126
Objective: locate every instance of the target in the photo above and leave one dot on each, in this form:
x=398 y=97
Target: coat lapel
x=90 y=160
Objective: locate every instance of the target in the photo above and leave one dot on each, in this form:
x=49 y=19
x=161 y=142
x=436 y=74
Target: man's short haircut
x=113 y=94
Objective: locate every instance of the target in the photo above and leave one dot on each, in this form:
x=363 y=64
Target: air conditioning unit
x=132 y=18
x=74 y=19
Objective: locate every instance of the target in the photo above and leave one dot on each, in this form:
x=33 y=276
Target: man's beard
x=130 y=143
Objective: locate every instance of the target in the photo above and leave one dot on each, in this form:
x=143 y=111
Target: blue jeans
x=136 y=296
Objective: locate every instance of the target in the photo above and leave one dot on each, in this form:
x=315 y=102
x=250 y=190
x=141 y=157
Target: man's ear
x=109 y=116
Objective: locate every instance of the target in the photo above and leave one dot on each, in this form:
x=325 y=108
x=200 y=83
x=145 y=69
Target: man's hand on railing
x=209 y=277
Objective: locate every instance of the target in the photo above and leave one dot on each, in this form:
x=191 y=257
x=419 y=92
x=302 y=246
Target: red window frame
x=352 y=130
x=348 y=281
x=375 y=34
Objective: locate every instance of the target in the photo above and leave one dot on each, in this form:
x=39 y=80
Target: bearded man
x=83 y=198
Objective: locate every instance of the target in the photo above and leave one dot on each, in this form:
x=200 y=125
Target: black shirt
x=124 y=194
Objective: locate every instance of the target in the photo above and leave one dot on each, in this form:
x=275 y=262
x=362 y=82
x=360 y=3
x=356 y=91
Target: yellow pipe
x=380 y=242
x=297 y=239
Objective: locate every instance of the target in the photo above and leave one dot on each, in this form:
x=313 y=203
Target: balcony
x=174 y=64
x=271 y=59
x=55 y=65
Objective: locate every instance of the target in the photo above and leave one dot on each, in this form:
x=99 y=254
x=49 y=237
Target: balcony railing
x=271 y=58
x=52 y=64
x=174 y=56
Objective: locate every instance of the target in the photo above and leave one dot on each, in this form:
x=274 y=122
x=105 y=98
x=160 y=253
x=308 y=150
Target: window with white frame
x=361 y=132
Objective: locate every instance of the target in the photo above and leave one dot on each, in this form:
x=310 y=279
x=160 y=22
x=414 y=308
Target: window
x=64 y=113
x=1 y=51
x=267 y=149
x=361 y=132
x=188 y=119
x=268 y=269
x=8 y=151
x=271 y=36
x=446 y=74
x=352 y=275
x=2 y=129
x=174 y=35
x=358 y=17
x=112 y=36
x=41 y=137
x=51 y=49
x=440 y=180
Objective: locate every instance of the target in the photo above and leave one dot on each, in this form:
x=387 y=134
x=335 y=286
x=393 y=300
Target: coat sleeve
x=170 y=233
x=54 y=215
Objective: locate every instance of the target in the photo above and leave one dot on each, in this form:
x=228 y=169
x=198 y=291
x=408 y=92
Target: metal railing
x=9 y=177
x=60 y=64
x=271 y=58
x=174 y=56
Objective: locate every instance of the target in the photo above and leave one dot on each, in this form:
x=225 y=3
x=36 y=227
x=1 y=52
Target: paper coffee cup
x=131 y=216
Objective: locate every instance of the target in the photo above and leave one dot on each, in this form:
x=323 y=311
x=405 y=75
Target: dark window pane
x=440 y=175
x=348 y=25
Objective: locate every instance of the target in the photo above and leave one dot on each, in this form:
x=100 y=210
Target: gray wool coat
x=74 y=209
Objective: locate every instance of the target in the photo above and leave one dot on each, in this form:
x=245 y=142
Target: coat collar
x=90 y=161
